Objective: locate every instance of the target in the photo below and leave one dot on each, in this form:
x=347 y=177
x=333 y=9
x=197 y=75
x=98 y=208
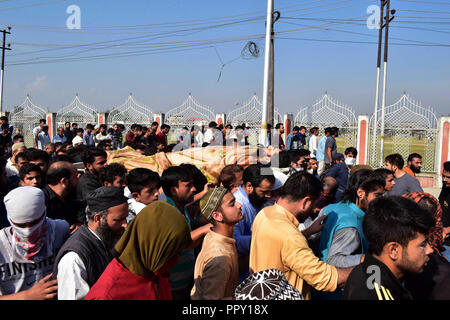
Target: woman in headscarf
x=434 y=282
x=145 y=252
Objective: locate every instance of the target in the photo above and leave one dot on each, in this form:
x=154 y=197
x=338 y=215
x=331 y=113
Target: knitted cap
x=212 y=200
x=105 y=197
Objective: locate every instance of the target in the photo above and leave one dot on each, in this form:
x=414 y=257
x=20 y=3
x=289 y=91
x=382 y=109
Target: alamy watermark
x=373 y=21
x=375 y=276
x=74 y=20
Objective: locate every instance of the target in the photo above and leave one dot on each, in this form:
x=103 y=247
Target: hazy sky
x=163 y=50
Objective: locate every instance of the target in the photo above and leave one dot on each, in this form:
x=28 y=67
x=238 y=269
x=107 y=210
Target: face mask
x=29 y=241
x=299 y=169
x=350 y=161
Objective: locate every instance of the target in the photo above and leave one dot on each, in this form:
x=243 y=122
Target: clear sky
x=163 y=50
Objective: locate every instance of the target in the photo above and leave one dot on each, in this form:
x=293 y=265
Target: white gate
x=189 y=113
x=327 y=112
x=409 y=128
x=251 y=114
x=26 y=117
x=78 y=112
x=129 y=113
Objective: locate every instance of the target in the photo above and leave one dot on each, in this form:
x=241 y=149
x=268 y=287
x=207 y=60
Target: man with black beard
x=85 y=255
x=414 y=164
x=59 y=193
x=252 y=195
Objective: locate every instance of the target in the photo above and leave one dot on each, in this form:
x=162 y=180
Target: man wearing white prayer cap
x=29 y=246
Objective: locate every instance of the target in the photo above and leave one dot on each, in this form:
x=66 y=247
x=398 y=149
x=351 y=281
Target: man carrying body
x=216 y=268
x=178 y=186
x=277 y=242
x=252 y=195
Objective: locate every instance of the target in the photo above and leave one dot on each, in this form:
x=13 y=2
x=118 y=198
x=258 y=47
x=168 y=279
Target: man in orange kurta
x=277 y=242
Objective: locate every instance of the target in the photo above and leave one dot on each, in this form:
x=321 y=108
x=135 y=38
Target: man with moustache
x=414 y=164
x=85 y=255
x=252 y=195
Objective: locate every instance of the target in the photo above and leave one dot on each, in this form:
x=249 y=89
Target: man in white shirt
x=11 y=168
x=42 y=138
x=37 y=129
x=209 y=134
x=312 y=143
x=87 y=252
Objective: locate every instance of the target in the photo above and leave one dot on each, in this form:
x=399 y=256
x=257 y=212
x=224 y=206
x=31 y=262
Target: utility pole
x=377 y=90
x=383 y=102
x=271 y=99
x=268 y=85
x=3 y=65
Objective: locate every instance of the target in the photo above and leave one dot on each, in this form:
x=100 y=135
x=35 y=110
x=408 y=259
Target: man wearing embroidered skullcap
x=29 y=246
x=87 y=252
x=216 y=270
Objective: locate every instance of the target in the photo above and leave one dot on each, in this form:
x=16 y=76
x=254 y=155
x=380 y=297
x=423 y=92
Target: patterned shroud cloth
x=270 y=284
x=210 y=160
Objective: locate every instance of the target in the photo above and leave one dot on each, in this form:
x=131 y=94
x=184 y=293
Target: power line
x=119 y=42
x=367 y=42
x=427 y=2
x=33 y=5
x=164 y=49
x=360 y=33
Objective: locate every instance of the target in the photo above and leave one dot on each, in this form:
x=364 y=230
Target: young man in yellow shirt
x=277 y=243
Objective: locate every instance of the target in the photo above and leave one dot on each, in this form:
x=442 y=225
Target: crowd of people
x=305 y=218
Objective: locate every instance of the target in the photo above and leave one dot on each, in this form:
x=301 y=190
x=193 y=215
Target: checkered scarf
x=435 y=239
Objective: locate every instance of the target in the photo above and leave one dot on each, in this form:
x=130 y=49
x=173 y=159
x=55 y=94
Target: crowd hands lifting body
x=315 y=216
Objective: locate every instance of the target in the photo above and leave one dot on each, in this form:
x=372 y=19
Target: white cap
x=280 y=179
x=25 y=204
x=76 y=140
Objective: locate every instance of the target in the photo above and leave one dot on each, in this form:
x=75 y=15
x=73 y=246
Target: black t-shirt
x=444 y=199
x=433 y=283
x=372 y=280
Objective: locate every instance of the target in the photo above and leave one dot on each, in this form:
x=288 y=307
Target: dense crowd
x=305 y=219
